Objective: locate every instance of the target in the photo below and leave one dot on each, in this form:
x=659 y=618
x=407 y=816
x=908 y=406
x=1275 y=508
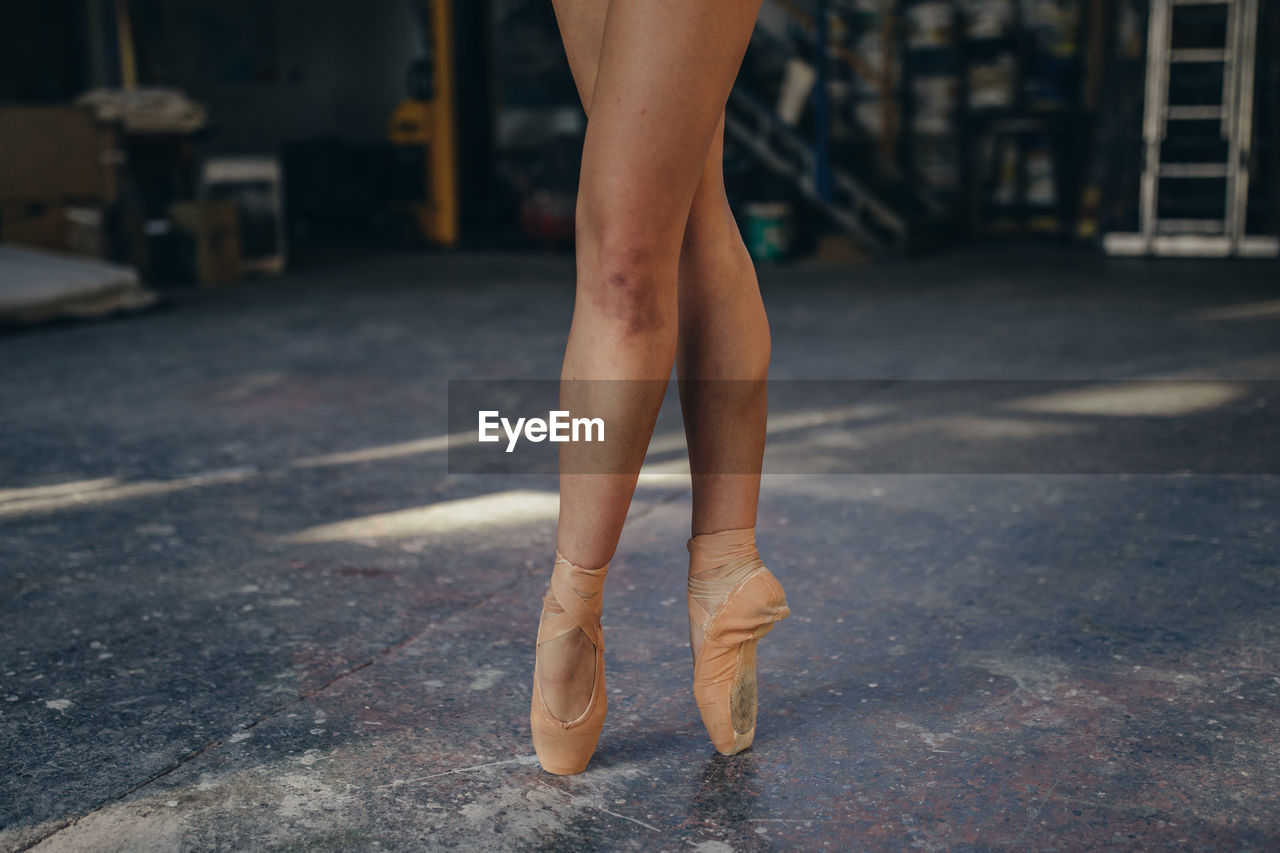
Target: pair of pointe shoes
x=733 y=602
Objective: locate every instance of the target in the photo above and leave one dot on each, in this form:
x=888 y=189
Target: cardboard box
x=35 y=225
x=87 y=232
x=215 y=225
x=255 y=184
x=77 y=229
x=56 y=154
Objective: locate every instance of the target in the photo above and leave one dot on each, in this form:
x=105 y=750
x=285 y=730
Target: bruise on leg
x=630 y=301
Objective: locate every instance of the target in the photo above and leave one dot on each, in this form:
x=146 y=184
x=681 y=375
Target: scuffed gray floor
x=244 y=605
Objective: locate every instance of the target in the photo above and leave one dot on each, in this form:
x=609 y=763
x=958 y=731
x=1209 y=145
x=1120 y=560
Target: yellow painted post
x=124 y=38
x=444 y=148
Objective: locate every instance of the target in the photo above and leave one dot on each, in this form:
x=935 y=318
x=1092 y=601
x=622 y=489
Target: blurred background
x=1019 y=263
x=195 y=142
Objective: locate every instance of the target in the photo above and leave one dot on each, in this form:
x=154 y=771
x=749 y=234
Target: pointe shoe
x=573 y=602
x=725 y=567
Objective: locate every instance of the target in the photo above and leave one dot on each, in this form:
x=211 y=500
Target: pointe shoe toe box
x=565 y=748
x=573 y=603
x=724 y=674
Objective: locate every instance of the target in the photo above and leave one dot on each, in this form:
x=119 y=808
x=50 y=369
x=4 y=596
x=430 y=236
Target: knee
x=627 y=273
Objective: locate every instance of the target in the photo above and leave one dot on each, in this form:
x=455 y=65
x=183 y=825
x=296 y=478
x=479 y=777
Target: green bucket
x=769 y=230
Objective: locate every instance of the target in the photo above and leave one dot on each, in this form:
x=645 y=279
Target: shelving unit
x=823 y=154
x=993 y=107
x=993 y=117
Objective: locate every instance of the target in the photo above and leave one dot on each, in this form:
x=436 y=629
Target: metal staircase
x=846 y=201
x=849 y=202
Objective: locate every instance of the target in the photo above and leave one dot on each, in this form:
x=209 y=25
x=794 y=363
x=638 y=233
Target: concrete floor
x=244 y=605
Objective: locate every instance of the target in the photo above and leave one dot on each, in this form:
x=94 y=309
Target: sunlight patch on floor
x=988 y=428
x=36 y=499
x=56 y=489
x=1268 y=309
x=792 y=421
x=669 y=472
x=672 y=442
x=485 y=512
x=1160 y=398
x=434 y=444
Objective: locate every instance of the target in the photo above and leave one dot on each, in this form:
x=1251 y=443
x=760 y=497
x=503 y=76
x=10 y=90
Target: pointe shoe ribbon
x=734 y=600
x=573 y=601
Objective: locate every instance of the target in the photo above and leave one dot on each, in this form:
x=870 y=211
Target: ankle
x=724 y=552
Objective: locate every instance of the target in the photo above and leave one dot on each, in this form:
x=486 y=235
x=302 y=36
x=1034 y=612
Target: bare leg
x=723 y=364
x=723 y=358
x=664 y=72
x=723 y=331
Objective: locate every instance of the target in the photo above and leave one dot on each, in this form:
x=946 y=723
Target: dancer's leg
x=723 y=332
x=581 y=25
x=664 y=73
x=723 y=358
x=723 y=363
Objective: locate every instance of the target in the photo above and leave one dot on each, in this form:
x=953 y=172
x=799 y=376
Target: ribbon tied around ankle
x=719 y=561
x=573 y=601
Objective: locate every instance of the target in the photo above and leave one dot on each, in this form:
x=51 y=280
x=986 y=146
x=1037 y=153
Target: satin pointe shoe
x=733 y=602
x=573 y=602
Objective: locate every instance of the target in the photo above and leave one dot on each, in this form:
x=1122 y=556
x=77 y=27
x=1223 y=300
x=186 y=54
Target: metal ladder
x=1206 y=237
